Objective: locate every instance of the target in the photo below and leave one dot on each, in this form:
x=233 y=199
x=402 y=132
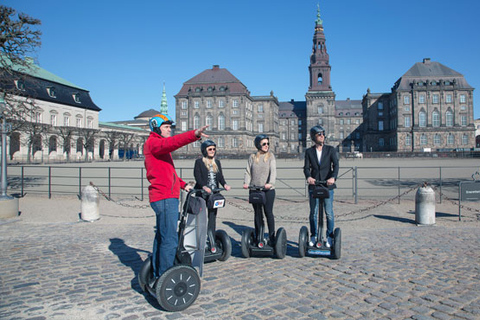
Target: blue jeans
x=166 y=236
x=315 y=212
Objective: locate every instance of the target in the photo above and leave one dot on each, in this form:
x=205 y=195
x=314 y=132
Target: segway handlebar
x=320 y=182
x=257 y=188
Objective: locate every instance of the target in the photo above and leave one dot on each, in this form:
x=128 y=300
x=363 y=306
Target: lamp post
x=8 y=204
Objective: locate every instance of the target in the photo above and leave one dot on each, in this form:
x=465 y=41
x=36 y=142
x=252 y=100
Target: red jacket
x=164 y=181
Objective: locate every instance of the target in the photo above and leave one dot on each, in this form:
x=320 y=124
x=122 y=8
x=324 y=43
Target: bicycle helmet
x=205 y=145
x=157 y=120
x=259 y=138
x=316 y=130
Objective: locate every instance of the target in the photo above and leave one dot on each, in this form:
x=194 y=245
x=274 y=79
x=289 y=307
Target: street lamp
x=8 y=205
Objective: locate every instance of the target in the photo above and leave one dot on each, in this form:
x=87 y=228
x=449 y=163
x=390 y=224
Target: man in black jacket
x=321 y=163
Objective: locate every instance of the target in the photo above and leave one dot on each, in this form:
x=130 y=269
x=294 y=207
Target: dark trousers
x=259 y=210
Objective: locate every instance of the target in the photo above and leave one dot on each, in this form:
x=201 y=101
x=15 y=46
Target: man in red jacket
x=165 y=185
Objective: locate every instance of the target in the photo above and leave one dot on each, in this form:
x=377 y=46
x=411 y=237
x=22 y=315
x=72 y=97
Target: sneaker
x=328 y=243
x=313 y=239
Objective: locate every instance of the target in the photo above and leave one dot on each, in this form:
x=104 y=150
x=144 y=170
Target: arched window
x=450 y=139
x=80 y=145
x=437 y=140
x=465 y=139
x=196 y=121
x=408 y=140
x=423 y=140
x=209 y=121
x=436 y=118
x=449 y=118
x=221 y=122
x=422 y=119
x=320 y=78
x=52 y=144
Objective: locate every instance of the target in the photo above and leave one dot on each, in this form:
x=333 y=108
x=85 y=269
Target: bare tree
x=19 y=37
x=88 y=140
x=66 y=134
x=126 y=139
x=112 y=138
x=34 y=133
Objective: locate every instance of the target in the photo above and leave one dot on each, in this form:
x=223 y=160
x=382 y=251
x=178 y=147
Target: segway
x=255 y=245
x=319 y=248
x=219 y=245
x=178 y=287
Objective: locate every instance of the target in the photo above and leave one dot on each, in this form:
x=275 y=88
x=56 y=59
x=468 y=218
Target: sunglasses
x=321 y=134
x=265 y=144
x=211 y=149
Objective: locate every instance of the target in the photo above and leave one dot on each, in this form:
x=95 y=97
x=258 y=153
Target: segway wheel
x=224 y=243
x=337 y=244
x=145 y=274
x=302 y=241
x=178 y=287
x=247 y=242
x=281 y=243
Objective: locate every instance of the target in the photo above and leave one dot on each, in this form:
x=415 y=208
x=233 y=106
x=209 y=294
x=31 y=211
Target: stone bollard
x=90 y=204
x=425 y=206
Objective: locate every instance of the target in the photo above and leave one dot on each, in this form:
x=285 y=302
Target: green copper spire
x=319 y=20
x=163 y=104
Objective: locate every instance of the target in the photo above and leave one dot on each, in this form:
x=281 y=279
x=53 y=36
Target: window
x=196 y=121
x=436 y=119
x=292 y=136
x=341 y=122
x=463 y=98
x=407 y=121
x=463 y=120
x=260 y=127
x=435 y=98
x=184 y=126
x=221 y=104
x=449 y=118
x=320 y=110
x=292 y=122
x=342 y=135
x=235 y=124
x=196 y=104
x=448 y=98
x=184 y=105
x=66 y=121
x=235 y=112
x=284 y=136
x=76 y=98
x=465 y=139
x=221 y=142
x=406 y=108
x=51 y=92
x=221 y=122
x=235 y=103
x=437 y=140
x=90 y=123
x=408 y=140
x=260 y=108
x=349 y=121
x=20 y=84
x=209 y=104
x=423 y=139
x=53 y=119
x=450 y=139
x=380 y=106
x=406 y=99
x=422 y=119
x=234 y=142
x=380 y=125
x=208 y=122
x=421 y=98
x=79 y=122
x=381 y=142
x=183 y=113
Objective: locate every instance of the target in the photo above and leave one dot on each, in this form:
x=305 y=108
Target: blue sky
x=123 y=51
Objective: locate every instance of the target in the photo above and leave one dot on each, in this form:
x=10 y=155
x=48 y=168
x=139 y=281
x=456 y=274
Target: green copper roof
x=38 y=72
x=319 y=20
x=163 y=104
x=120 y=126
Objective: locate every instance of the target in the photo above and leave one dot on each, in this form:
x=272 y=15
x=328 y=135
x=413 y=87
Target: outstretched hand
x=199 y=132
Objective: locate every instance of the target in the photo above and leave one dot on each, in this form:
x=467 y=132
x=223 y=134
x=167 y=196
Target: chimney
x=216 y=67
x=426 y=61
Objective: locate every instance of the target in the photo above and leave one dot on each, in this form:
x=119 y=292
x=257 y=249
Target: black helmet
x=205 y=145
x=259 y=138
x=316 y=130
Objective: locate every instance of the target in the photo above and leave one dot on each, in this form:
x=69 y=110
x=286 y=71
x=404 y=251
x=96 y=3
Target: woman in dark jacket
x=208 y=175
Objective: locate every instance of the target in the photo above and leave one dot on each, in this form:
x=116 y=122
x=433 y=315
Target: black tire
x=337 y=244
x=145 y=274
x=247 y=242
x=281 y=243
x=178 y=287
x=302 y=241
x=222 y=241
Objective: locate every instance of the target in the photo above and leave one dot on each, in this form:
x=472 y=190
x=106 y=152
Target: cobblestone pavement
x=56 y=267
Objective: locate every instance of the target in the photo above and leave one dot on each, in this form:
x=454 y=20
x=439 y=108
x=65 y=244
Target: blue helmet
x=157 y=120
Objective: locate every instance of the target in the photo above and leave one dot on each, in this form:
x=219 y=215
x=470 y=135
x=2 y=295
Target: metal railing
x=130 y=182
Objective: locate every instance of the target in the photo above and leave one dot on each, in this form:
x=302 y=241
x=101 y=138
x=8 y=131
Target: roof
x=286 y=108
x=431 y=70
x=216 y=78
x=120 y=126
x=348 y=104
x=147 y=113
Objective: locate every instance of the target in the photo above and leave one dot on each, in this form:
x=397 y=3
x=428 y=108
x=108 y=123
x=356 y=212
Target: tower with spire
x=320 y=99
x=163 y=104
